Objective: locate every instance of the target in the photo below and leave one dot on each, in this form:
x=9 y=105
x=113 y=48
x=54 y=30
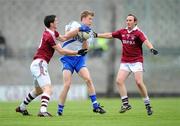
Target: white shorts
x=131 y=67
x=39 y=70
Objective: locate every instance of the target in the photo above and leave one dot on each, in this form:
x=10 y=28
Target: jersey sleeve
x=117 y=34
x=142 y=36
x=72 y=25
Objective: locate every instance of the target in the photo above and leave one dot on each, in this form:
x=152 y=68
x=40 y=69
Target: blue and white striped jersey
x=75 y=43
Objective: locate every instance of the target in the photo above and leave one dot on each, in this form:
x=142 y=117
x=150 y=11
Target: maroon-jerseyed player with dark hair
x=132 y=39
x=39 y=65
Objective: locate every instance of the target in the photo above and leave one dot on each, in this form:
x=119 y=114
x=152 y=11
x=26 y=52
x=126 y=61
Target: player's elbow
x=108 y=35
x=61 y=51
x=64 y=38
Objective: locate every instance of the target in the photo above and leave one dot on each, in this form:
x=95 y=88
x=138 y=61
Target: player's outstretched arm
x=107 y=35
x=150 y=46
x=62 y=51
x=71 y=34
x=68 y=35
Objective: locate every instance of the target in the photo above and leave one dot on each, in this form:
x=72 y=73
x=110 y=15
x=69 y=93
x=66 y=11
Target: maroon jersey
x=45 y=50
x=131 y=44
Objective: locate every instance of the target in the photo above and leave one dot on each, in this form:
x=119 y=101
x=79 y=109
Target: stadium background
x=22 y=26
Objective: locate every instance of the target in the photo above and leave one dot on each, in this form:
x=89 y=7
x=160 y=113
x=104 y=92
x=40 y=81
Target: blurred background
x=21 y=27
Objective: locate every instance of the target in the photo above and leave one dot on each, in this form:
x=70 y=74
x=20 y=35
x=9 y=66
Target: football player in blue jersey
x=77 y=63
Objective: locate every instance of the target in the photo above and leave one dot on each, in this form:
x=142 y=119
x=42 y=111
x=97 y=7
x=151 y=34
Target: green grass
x=79 y=113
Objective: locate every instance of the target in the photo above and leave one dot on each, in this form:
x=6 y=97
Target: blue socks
x=60 y=108
x=94 y=101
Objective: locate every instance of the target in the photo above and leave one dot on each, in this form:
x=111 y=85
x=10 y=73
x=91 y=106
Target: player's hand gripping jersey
x=76 y=42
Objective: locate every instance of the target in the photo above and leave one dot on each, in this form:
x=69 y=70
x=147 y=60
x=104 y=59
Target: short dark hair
x=135 y=18
x=49 y=19
x=86 y=13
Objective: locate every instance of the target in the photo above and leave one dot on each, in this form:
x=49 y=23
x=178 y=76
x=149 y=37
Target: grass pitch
x=79 y=113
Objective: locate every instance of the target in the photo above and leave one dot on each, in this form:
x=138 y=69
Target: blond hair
x=86 y=13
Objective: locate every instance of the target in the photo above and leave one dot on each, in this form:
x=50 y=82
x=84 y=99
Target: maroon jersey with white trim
x=45 y=50
x=131 y=44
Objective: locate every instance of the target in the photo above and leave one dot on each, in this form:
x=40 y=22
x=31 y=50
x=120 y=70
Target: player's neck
x=52 y=29
x=130 y=28
x=86 y=24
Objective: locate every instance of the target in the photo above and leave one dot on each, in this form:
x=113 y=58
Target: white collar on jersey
x=135 y=28
x=50 y=31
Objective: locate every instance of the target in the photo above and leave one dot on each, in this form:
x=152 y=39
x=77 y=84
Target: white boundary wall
x=18 y=92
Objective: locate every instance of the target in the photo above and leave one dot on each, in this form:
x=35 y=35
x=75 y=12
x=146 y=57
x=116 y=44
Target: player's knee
x=119 y=82
x=50 y=90
x=47 y=89
x=88 y=81
x=139 y=83
x=38 y=91
x=67 y=85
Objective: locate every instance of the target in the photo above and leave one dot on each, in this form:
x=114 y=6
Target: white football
x=84 y=35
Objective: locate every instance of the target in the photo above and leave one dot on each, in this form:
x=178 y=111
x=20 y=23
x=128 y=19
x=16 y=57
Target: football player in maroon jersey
x=132 y=39
x=42 y=57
